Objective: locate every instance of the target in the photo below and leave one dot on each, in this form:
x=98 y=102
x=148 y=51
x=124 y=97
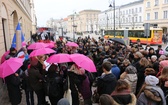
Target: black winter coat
x=35 y=78
x=106 y=84
x=13 y=86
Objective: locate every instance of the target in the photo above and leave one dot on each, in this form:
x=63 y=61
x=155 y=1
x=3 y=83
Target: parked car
x=165 y=50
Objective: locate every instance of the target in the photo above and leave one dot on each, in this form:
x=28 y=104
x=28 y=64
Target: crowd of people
x=126 y=75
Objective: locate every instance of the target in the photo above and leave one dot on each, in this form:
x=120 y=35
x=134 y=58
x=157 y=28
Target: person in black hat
x=157 y=51
x=99 y=67
x=13 y=52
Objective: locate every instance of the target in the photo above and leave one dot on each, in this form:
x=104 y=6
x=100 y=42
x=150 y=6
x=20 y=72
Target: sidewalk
x=4 y=99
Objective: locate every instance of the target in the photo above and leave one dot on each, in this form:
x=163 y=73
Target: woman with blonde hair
x=79 y=83
x=143 y=64
x=163 y=78
x=162 y=64
x=122 y=94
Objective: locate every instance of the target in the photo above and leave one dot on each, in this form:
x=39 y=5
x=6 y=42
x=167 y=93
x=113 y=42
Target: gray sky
x=57 y=9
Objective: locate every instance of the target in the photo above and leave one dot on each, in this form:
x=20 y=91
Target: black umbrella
x=118 y=40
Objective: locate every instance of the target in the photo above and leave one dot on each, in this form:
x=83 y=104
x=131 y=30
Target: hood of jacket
x=121 y=101
x=156 y=91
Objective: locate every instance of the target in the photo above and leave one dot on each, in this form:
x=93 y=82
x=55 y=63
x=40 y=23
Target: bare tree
x=133 y=17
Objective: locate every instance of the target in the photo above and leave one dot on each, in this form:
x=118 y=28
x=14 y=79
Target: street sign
x=147 y=30
x=126 y=39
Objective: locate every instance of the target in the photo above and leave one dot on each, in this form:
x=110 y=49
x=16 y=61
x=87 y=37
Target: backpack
x=53 y=87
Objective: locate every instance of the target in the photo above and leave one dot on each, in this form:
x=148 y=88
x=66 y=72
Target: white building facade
x=33 y=16
x=129 y=16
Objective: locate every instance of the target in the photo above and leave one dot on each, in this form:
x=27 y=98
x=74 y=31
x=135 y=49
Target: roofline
x=128 y=4
x=90 y=10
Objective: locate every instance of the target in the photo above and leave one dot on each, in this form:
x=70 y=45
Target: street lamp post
x=114 y=15
x=107 y=23
x=74 y=27
x=61 y=27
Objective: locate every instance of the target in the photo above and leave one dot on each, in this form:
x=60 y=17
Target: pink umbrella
x=37 y=45
x=59 y=58
x=52 y=42
x=83 y=62
x=50 y=45
x=72 y=44
x=41 y=51
x=3 y=56
x=10 y=66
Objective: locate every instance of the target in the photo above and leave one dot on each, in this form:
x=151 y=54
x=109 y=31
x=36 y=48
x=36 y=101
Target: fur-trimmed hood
x=133 y=100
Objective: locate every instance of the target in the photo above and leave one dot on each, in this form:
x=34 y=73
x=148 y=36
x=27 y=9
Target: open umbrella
x=72 y=44
x=118 y=40
x=41 y=51
x=10 y=66
x=50 y=45
x=37 y=45
x=59 y=58
x=83 y=62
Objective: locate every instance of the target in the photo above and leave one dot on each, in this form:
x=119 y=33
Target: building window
x=165 y=1
x=156 y=2
x=156 y=15
x=165 y=14
x=127 y=12
x=132 y=11
x=148 y=4
x=136 y=10
x=148 y=16
x=136 y=19
x=129 y=19
x=140 y=9
x=140 y=19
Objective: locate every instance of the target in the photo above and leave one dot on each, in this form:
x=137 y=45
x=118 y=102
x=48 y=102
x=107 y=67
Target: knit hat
x=151 y=80
x=103 y=53
x=163 y=57
x=163 y=63
x=100 y=47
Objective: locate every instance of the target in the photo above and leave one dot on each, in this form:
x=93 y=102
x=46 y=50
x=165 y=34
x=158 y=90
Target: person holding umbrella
x=36 y=80
x=13 y=86
x=79 y=83
x=9 y=72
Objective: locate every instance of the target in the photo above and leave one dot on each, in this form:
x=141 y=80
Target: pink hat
x=164 y=63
